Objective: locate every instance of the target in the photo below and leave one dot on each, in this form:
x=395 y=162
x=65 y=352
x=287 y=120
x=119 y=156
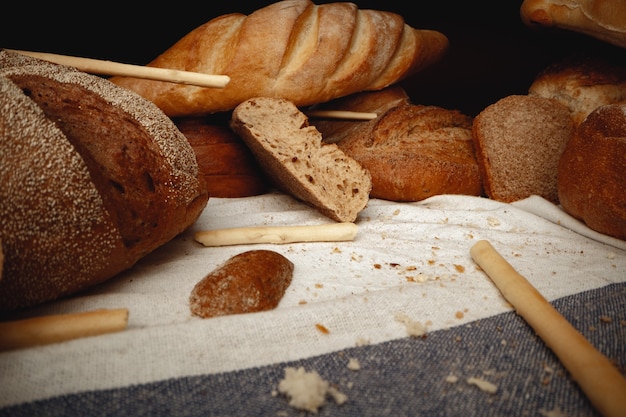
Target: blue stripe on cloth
x=405 y=377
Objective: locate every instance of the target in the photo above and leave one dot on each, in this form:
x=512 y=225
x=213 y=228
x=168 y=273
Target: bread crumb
x=353 y=364
x=553 y=413
x=413 y=328
x=322 y=328
x=483 y=384
x=308 y=390
x=452 y=379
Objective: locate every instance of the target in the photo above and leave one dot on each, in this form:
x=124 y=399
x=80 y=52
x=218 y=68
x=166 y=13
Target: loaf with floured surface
x=292 y=49
x=292 y=155
x=92 y=178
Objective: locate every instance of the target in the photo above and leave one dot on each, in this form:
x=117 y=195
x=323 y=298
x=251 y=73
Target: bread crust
x=411 y=151
x=93 y=177
x=592 y=172
x=225 y=162
x=292 y=49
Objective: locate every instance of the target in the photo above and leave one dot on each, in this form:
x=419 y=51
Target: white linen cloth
x=408 y=259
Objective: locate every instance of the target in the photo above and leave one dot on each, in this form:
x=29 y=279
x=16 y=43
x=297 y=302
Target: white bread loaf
x=582 y=84
x=519 y=140
x=292 y=49
x=292 y=154
x=92 y=178
x=411 y=151
x=592 y=172
x=602 y=19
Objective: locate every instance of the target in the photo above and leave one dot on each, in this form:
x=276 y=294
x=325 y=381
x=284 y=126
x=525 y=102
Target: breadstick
x=332 y=232
x=59 y=328
x=341 y=114
x=599 y=379
x=101 y=67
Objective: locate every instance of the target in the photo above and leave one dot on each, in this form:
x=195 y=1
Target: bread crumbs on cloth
x=308 y=390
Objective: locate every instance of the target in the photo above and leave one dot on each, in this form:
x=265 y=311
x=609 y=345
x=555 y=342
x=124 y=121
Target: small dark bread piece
x=248 y=282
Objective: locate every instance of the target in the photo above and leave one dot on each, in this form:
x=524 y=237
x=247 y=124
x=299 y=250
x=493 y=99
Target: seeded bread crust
x=93 y=177
x=292 y=154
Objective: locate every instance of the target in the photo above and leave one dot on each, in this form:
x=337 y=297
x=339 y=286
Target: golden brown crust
x=93 y=178
x=411 y=151
x=582 y=84
x=249 y=282
x=227 y=165
x=292 y=49
x=592 y=172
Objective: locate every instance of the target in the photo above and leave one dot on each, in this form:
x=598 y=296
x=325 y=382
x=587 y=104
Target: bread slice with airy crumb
x=292 y=154
x=519 y=141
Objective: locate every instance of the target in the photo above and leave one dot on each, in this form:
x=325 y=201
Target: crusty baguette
x=92 y=178
x=411 y=151
x=293 y=156
x=292 y=49
x=249 y=282
x=519 y=140
x=602 y=19
x=582 y=84
x=591 y=177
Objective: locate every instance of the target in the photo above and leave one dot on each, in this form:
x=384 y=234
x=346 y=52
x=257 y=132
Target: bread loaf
x=602 y=19
x=292 y=155
x=292 y=49
x=92 y=178
x=411 y=151
x=592 y=171
x=249 y=282
x=519 y=141
x=227 y=165
x=581 y=84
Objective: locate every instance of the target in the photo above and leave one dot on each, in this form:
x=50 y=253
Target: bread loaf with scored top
x=92 y=178
x=291 y=49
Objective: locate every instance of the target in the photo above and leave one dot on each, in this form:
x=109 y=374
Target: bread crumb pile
x=308 y=390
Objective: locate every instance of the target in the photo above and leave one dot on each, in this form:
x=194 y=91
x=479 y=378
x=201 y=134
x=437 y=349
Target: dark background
x=492 y=53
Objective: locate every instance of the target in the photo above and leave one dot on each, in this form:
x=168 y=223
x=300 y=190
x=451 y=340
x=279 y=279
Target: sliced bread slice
x=519 y=141
x=292 y=154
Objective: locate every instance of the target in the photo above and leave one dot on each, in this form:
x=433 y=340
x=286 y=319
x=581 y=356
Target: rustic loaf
x=519 y=140
x=411 y=151
x=592 y=171
x=582 y=84
x=225 y=162
x=292 y=155
x=92 y=178
x=292 y=49
x=602 y=19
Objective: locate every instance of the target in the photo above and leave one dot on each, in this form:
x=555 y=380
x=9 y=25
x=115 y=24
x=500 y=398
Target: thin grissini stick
x=60 y=328
x=333 y=232
x=599 y=379
x=102 y=67
x=341 y=114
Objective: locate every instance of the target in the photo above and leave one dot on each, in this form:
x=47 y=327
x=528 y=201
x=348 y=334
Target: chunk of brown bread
x=292 y=154
x=519 y=140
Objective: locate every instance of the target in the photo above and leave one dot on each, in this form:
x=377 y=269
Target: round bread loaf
x=592 y=172
x=581 y=84
x=92 y=178
x=225 y=161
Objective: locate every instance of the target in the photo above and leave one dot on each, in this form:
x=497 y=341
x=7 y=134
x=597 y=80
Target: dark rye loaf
x=92 y=178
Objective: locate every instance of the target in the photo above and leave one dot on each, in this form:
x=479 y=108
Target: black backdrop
x=492 y=53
